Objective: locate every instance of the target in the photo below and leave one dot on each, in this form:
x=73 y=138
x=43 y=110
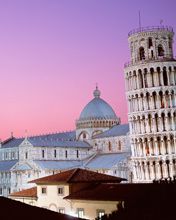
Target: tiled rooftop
x=32 y=192
x=120 y=191
x=98 y=192
x=76 y=176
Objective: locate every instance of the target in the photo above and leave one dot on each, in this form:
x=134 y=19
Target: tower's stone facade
x=151 y=95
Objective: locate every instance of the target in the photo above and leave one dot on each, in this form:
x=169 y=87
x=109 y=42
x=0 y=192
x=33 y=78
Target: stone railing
x=149 y=29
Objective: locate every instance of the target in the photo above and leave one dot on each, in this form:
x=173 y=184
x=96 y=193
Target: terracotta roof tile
x=32 y=192
x=121 y=191
x=98 y=192
x=77 y=175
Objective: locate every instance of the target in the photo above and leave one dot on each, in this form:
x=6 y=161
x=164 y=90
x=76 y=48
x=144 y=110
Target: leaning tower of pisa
x=151 y=94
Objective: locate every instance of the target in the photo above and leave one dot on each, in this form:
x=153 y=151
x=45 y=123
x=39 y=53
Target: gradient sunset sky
x=52 y=53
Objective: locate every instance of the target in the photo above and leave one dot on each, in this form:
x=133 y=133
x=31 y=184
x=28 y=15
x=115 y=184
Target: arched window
x=77 y=153
x=55 y=153
x=147 y=150
x=109 y=146
x=163 y=121
x=160 y=51
x=150 y=43
x=165 y=77
x=141 y=85
x=141 y=53
x=119 y=145
x=161 y=168
x=84 y=135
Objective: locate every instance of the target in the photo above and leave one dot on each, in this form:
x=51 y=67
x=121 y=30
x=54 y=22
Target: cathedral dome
x=97 y=108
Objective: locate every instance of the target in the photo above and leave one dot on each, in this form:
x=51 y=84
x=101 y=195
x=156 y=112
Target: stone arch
x=145 y=78
x=161 y=168
x=165 y=144
x=161 y=99
x=152 y=76
x=172 y=144
x=148 y=100
x=154 y=95
x=165 y=79
x=159 y=73
x=83 y=135
x=140 y=76
x=147 y=149
x=53 y=207
x=163 y=121
x=150 y=122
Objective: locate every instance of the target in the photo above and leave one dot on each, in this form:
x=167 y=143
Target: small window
x=100 y=213
x=60 y=190
x=119 y=147
x=160 y=51
x=77 y=153
x=44 y=190
x=141 y=53
x=61 y=210
x=150 y=43
x=66 y=154
x=6 y=155
x=43 y=153
x=55 y=153
x=0 y=191
x=26 y=155
x=84 y=135
x=109 y=146
x=9 y=190
x=80 y=212
x=13 y=155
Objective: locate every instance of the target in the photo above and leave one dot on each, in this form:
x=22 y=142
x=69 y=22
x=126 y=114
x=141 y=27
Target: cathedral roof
x=56 y=139
x=106 y=161
x=12 y=142
x=6 y=165
x=58 y=143
x=58 y=165
x=97 y=108
x=117 y=130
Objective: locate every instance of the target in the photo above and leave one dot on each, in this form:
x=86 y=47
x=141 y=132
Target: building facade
x=99 y=143
x=151 y=95
x=73 y=192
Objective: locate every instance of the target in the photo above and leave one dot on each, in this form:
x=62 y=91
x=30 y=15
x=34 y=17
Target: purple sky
x=52 y=52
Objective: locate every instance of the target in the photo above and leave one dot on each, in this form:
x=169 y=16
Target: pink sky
x=53 y=52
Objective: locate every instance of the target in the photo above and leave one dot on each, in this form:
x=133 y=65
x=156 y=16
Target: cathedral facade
x=99 y=143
